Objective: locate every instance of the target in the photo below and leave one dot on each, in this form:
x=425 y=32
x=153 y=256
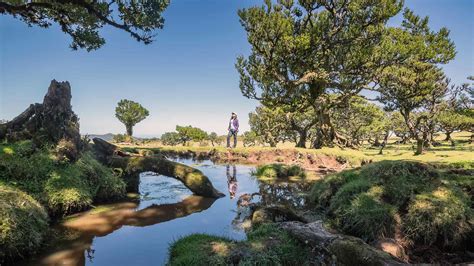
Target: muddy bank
x=311 y=161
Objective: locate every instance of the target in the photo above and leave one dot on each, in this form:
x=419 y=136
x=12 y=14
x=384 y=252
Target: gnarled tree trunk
x=50 y=121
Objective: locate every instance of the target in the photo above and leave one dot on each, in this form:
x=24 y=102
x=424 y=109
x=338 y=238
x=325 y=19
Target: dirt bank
x=308 y=160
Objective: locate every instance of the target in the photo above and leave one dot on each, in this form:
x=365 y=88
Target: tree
x=188 y=133
x=170 y=138
x=250 y=138
x=130 y=113
x=300 y=121
x=450 y=121
x=357 y=120
x=82 y=19
x=415 y=84
x=316 y=53
x=213 y=138
x=269 y=124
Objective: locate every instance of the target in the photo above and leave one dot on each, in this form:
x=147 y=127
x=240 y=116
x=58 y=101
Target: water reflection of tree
x=284 y=193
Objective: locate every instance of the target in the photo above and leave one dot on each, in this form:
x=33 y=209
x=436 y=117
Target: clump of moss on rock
x=266 y=245
x=430 y=205
x=23 y=223
x=275 y=171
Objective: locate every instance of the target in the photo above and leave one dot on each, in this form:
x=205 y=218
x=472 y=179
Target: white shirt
x=232 y=127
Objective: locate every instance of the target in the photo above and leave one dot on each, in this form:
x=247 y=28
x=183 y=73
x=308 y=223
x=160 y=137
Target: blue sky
x=186 y=76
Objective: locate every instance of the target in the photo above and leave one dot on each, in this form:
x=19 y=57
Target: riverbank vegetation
x=415 y=203
x=265 y=245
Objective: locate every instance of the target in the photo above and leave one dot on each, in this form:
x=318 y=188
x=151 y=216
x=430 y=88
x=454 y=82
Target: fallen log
x=134 y=164
x=347 y=250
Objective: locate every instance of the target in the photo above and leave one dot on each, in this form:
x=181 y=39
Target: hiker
x=233 y=129
x=232 y=180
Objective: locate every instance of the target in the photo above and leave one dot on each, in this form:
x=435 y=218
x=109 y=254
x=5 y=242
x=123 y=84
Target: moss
x=432 y=201
x=23 y=223
x=266 y=245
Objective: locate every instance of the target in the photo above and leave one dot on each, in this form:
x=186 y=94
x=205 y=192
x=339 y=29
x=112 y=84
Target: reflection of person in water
x=232 y=180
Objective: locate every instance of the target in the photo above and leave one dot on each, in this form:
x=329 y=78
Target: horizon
x=193 y=54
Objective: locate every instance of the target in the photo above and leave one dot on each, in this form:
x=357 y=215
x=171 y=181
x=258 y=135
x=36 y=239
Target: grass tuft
x=23 y=223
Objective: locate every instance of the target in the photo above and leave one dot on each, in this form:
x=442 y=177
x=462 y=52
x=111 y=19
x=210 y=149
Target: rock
x=391 y=246
x=274 y=213
x=313 y=234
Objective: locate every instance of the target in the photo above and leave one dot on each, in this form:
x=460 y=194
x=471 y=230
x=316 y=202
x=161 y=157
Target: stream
x=139 y=232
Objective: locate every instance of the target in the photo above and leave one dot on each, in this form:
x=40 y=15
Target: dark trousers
x=232 y=133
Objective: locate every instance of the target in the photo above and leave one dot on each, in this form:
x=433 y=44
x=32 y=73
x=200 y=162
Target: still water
x=139 y=232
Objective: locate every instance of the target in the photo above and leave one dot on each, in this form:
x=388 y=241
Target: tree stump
x=51 y=121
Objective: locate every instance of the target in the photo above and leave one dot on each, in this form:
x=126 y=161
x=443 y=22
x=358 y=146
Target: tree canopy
x=130 y=113
x=188 y=133
x=306 y=51
x=82 y=19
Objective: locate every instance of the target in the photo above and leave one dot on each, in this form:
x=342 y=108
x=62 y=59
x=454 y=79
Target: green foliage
x=414 y=82
x=273 y=171
x=188 y=133
x=170 y=138
x=130 y=113
x=306 y=52
x=431 y=201
x=359 y=119
x=82 y=19
x=118 y=138
x=250 y=138
x=214 y=138
x=266 y=245
x=23 y=223
x=269 y=124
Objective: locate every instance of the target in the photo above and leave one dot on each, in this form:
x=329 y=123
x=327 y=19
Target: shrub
x=23 y=223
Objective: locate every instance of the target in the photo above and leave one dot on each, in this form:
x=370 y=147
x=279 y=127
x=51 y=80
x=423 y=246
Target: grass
x=266 y=245
x=272 y=172
x=23 y=223
x=62 y=187
x=35 y=182
x=429 y=204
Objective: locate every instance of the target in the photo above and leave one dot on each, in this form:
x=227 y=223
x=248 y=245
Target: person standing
x=233 y=129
